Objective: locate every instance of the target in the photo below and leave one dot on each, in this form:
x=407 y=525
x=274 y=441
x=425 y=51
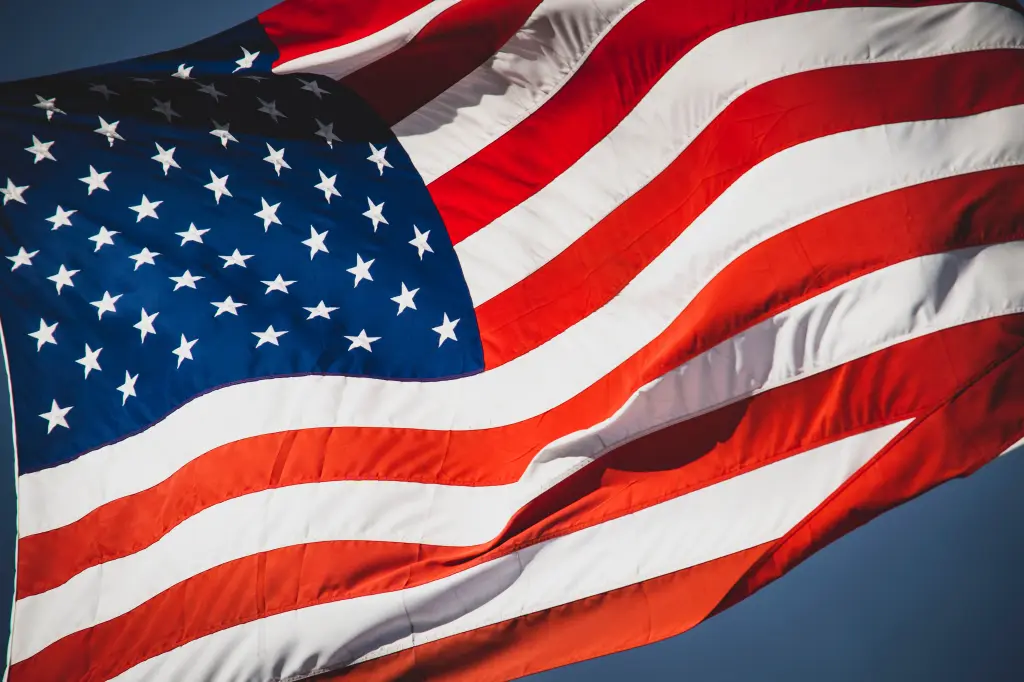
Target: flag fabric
x=469 y=338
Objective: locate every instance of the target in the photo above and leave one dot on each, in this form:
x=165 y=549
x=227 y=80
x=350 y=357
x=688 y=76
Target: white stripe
x=1012 y=448
x=879 y=310
x=728 y=517
x=526 y=72
x=338 y=62
x=690 y=95
x=792 y=187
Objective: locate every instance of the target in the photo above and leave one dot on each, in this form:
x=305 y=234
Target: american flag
x=464 y=339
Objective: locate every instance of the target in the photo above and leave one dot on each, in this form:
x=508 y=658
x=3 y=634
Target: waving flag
x=468 y=338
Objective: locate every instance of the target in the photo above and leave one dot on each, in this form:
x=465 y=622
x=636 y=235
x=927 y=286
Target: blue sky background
x=930 y=591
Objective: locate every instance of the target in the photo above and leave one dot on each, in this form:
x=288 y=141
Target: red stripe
x=623 y=67
x=904 y=381
x=981 y=421
x=955 y=440
x=621 y=619
x=759 y=124
x=301 y=27
x=967 y=210
x=447 y=49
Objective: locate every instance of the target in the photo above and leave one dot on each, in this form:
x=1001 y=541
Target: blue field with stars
x=190 y=220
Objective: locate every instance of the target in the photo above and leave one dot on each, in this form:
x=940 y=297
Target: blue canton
x=181 y=222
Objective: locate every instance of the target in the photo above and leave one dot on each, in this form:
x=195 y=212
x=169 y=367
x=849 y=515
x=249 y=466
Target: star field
x=172 y=225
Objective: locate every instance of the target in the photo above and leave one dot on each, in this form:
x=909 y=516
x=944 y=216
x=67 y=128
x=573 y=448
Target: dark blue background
x=406 y=346
x=930 y=591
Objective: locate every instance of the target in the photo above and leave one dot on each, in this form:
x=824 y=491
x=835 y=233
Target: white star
x=109 y=131
x=226 y=306
x=269 y=336
x=223 y=133
x=246 y=61
x=183 y=72
x=23 y=257
x=314 y=87
x=404 y=299
x=47 y=105
x=147 y=81
x=320 y=310
x=184 y=350
x=187 y=279
x=145 y=324
x=276 y=157
x=316 y=241
x=375 y=213
x=96 y=180
x=446 y=330
x=362 y=341
x=103 y=90
x=326 y=131
x=61 y=218
x=127 y=389
x=278 y=284
x=41 y=150
x=212 y=91
x=63 y=278
x=103 y=238
x=271 y=110
x=361 y=270
x=57 y=416
x=235 y=259
x=44 y=335
x=192 y=234
x=146 y=209
x=420 y=241
x=219 y=187
x=106 y=304
x=165 y=109
x=165 y=157
x=268 y=214
x=90 y=360
x=326 y=186
x=13 y=192
x=144 y=257
x=377 y=156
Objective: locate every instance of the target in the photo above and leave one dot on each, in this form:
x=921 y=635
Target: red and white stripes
x=741 y=273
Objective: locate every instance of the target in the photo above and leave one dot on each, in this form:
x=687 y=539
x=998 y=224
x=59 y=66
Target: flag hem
x=14 y=464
